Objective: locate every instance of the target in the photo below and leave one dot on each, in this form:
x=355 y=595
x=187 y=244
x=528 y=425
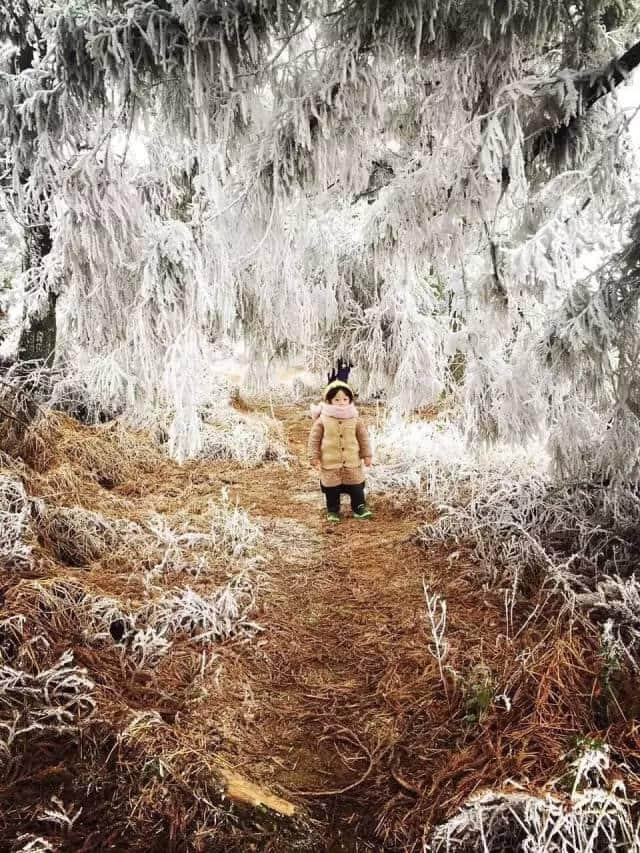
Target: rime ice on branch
x=420 y=184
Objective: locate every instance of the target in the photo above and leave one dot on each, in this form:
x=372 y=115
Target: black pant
x=332 y=494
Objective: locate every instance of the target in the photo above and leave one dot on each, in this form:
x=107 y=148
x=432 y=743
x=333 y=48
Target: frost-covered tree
x=24 y=83
x=419 y=184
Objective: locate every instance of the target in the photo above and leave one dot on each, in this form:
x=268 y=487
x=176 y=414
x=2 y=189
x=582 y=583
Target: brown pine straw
x=336 y=706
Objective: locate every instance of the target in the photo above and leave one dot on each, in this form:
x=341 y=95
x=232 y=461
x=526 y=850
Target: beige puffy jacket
x=340 y=445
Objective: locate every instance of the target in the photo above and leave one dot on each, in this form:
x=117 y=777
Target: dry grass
x=322 y=692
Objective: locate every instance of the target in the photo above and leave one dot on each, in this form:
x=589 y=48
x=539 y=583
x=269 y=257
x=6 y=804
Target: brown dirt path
x=340 y=706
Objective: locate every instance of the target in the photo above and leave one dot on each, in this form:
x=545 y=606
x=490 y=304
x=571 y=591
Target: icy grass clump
x=205 y=618
x=248 y=440
x=30 y=843
x=147 y=646
x=15 y=550
x=594 y=820
x=232 y=534
x=492 y=513
x=106 y=620
x=593 y=817
x=583 y=535
x=144 y=634
x=501 y=503
x=177 y=550
x=37 y=701
x=232 y=529
x=77 y=535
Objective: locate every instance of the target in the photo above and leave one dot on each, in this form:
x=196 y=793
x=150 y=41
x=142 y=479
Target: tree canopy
x=422 y=185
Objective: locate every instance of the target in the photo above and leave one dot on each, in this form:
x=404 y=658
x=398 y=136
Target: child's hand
x=368 y=461
x=317 y=464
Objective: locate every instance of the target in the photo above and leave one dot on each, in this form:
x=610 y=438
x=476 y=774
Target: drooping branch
x=590 y=87
x=618 y=70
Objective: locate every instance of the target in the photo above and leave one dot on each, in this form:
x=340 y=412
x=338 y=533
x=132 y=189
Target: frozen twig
x=437 y=615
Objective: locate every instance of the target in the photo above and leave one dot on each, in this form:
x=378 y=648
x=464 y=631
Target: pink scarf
x=329 y=410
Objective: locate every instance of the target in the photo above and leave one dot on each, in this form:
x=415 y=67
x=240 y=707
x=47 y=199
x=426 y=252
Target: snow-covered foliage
x=10 y=245
x=596 y=814
x=142 y=630
x=206 y=619
x=423 y=186
x=144 y=633
x=501 y=501
x=232 y=529
x=503 y=505
x=435 y=457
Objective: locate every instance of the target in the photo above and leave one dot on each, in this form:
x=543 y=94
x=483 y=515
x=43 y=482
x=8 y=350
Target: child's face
x=340 y=399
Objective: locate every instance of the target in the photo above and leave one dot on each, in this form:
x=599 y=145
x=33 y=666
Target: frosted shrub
x=582 y=536
x=15 y=550
x=408 y=452
x=515 y=518
x=615 y=600
x=435 y=458
x=492 y=514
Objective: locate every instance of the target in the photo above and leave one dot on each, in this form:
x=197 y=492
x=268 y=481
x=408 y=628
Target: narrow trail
x=332 y=702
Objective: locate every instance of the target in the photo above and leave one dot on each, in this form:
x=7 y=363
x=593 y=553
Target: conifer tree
x=415 y=185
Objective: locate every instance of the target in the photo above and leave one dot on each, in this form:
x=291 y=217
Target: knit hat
x=337 y=384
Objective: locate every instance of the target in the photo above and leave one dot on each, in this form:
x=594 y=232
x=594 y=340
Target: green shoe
x=333 y=517
x=362 y=513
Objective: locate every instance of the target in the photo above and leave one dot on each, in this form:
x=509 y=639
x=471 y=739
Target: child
x=338 y=443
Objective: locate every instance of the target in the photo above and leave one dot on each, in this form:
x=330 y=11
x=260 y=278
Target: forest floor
x=336 y=709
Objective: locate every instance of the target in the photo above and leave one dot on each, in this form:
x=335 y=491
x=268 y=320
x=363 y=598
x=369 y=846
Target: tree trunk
x=38 y=336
